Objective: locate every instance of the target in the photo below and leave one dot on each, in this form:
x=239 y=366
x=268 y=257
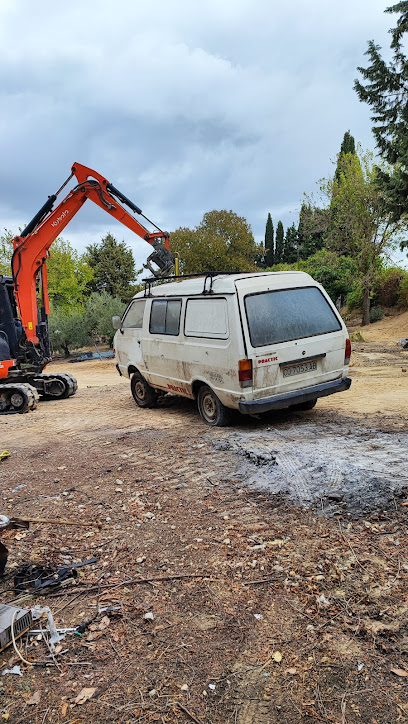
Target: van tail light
x=347 y=352
x=244 y=370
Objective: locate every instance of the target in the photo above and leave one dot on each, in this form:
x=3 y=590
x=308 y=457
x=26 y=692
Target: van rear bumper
x=279 y=402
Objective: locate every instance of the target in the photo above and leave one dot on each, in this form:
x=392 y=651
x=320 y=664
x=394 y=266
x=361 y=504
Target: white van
x=249 y=342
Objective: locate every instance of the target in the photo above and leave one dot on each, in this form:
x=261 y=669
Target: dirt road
x=278 y=550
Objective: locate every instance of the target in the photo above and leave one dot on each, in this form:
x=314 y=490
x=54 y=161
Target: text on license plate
x=299 y=369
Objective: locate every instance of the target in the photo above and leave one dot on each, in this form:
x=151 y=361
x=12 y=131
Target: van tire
x=143 y=394
x=211 y=409
x=309 y=405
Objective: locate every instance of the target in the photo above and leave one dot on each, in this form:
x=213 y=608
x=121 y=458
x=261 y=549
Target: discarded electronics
x=31 y=575
x=12 y=617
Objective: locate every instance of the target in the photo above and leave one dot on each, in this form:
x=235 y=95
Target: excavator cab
x=10 y=325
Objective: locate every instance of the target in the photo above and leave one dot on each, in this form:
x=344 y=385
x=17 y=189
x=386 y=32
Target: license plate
x=299 y=369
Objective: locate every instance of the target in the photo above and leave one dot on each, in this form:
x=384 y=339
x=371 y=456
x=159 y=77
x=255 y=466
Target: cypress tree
x=348 y=145
x=291 y=246
x=313 y=225
x=269 y=243
x=279 y=243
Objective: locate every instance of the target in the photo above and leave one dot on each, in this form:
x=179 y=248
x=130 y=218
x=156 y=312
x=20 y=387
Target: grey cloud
x=185 y=106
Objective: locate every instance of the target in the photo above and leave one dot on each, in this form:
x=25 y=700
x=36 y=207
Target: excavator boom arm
x=31 y=247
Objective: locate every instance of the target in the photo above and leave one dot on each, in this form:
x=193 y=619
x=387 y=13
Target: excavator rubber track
x=15 y=399
x=56 y=387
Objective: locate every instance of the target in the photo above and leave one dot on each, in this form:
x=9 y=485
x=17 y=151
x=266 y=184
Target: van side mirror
x=116 y=322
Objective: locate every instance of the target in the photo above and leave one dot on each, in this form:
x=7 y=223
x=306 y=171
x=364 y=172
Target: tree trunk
x=366 y=306
x=67 y=353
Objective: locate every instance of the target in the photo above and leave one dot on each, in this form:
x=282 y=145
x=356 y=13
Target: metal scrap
x=31 y=575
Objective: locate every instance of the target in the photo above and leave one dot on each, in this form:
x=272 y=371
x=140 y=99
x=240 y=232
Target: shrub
x=403 y=295
x=387 y=286
x=336 y=273
x=357 y=337
x=355 y=297
x=376 y=313
x=99 y=310
x=67 y=329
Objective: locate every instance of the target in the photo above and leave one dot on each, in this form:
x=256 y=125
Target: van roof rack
x=150 y=281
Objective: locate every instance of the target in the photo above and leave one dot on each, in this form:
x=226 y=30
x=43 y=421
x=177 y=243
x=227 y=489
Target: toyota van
x=252 y=342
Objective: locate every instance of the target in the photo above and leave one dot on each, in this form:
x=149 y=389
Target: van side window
x=134 y=315
x=207 y=318
x=165 y=316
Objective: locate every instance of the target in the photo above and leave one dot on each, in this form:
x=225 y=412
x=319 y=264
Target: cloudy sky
x=185 y=106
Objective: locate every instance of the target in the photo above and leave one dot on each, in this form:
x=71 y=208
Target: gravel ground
x=272 y=556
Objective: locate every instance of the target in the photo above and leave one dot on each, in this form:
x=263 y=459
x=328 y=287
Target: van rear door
x=295 y=337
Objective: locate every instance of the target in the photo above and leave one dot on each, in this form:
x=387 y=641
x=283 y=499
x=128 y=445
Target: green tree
x=361 y=225
x=269 y=243
x=279 y=243
x=67 y=329
x=384 y=88
x=68 y=274
x=290 y=249
x=348 y=145
x=6 y=250
x=313 y=225
x=99 y=310
x=223 y=241
x=113 y=268
x=336 y=273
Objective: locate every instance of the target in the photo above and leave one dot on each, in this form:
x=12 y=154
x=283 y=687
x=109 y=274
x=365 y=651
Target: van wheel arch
x=211 y=409
x=196 y=387
x=143 y=394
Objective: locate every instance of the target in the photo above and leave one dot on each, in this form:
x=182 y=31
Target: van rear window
x=287 y=314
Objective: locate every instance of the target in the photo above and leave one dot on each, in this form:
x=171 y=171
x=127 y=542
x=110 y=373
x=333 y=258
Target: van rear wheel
x=211 y=408
x=143 y=394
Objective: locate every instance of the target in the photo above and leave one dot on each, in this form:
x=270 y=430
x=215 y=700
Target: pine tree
x=269 y=243
x=113 y=267
x=290 y=251
x=348 y=145
x=385 y=90
x=279 y=243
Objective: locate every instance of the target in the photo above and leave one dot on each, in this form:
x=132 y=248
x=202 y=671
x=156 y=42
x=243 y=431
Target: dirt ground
x=245 y=575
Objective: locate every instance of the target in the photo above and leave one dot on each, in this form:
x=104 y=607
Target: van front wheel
x=211 y=408
x=143 y=394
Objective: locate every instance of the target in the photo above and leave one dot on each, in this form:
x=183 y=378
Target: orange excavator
x=25 y=346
